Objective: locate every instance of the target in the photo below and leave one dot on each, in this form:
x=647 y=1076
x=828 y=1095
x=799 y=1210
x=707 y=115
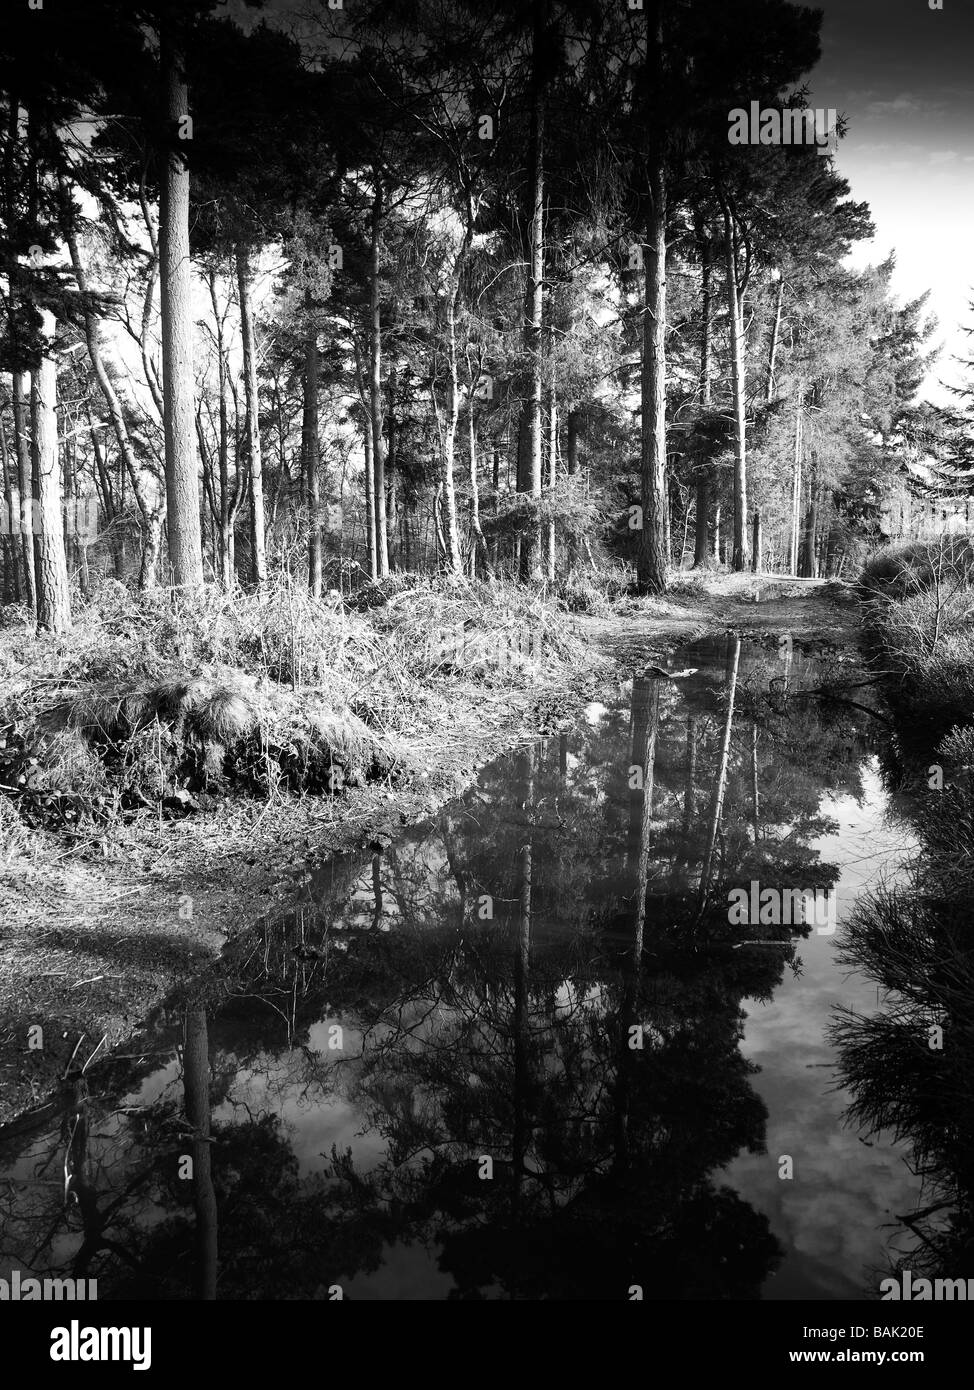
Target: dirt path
x=91 y=938
x=812 y=611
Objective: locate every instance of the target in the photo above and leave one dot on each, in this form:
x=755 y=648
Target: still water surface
x=521 y=1051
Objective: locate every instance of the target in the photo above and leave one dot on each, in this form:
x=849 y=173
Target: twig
x=73 y=1055
x=95 y=1053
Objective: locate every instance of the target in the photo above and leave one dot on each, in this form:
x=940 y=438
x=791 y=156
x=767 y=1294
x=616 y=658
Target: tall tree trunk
x=151 y=510
x=103 y=482
x=447 y=494
x=151 y=549
x=757 y=542
x=11 y=528
x=69 y=502
x=177 y=314
x=223 y=447
x=369 y=470
x=702 y=540
x=391 y=471
x=182 y=485
x=550 y=480
x=309 y=440
x=375 y=388
x=50 y=565
x=20 y=408
x=739 y=558
x=531 y=423
x=477 y=541
x=19 y=384
x=796 y=489
x=652 y=554
x=775 y=330
x=808 y=568
x=253 y=419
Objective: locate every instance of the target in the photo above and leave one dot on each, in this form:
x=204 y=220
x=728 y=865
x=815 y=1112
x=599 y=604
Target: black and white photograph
x=486 y=672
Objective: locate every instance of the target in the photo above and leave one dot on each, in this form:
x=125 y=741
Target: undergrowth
x=918 y=609
x=155 y=702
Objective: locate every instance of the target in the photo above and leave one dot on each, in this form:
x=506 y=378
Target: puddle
x=523 y=1051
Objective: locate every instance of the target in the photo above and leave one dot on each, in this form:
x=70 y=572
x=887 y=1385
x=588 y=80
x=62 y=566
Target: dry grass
x=148 y=699
x=919 y=609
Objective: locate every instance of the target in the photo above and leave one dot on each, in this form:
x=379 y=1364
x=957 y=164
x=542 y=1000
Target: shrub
x=897 y=571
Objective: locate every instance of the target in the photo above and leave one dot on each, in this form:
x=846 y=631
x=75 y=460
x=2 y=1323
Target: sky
x=904 y=76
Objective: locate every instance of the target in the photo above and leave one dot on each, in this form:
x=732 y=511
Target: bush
x=897 y=571
x=957 y=748
x=920 y=612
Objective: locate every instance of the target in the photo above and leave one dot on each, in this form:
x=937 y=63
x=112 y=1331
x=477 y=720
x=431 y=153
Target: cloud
x=904 y=105
x=874 y=147
x=942 y=156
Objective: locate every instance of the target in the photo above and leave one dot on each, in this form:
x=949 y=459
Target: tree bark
x=375 y=388
x=702 y=553
x=369 y=471
x=309 y=441
x=796 y=489
x=223 y=447
x=651 y=555
x=182 y=484
x=50 y=564
x=253 y=419
x=477 y=541
x=775 y=330
x=757 y=542
x=448 y=435
x=531 y=424
x=550 y=480
x=11 y=528
x=20 y=408
x=151 y=512
x=808 y=568
x=391 y=473
x=739 y=559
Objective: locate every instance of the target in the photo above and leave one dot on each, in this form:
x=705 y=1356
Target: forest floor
x=93 y=936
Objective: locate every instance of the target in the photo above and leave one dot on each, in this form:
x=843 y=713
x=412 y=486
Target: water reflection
x=505 y=1056
x=908 y=1066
